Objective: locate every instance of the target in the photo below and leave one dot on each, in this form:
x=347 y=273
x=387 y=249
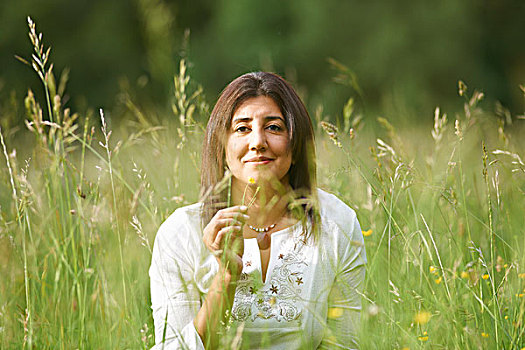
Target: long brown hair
x=302 y=173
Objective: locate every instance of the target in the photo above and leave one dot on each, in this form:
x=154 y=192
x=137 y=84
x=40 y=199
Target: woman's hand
x=223 y=237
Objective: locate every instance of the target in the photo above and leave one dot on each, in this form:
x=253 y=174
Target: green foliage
x=441 y=210
x=407 y=56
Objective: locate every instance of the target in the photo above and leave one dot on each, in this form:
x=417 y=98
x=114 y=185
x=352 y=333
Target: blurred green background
x=407 y=56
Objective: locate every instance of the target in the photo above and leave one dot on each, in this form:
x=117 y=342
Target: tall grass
x=441 y=210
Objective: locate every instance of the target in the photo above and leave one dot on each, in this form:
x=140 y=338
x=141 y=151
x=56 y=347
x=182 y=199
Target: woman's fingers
x=221 y=223
x=233 y=216
x=223 y=236
x=228 y=248
x=237 y=212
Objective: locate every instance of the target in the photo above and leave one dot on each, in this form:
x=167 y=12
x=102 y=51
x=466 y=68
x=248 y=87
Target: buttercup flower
x=335 y=312
x=422 y=317
x=424 y=337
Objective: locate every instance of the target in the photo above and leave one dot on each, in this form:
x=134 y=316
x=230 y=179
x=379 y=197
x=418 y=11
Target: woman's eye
x=241 y=129
x=275 y=127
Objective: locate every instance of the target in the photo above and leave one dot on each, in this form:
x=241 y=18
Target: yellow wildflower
x=367 y=233
x=521 y=275
x=485 y=276
x=520 y=295
x=335 y=312
x=423 y=337
x=433 y=270
x=484 y=335
x=438 y=280
x=506 y=265
x=506 y=317
x=251 y=180
x=422 y=317
x=464 y=274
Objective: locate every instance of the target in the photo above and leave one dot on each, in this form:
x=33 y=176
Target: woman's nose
x=257 y=140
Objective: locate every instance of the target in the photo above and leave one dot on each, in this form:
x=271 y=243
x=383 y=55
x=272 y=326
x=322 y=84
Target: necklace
x=263 y=238
x=262 y=229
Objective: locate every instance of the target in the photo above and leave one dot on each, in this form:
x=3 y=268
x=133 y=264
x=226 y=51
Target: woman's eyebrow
x=272 y=117
x=241 y=119
x=249 y=119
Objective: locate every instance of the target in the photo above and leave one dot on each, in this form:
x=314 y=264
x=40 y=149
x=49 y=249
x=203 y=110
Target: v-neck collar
x=251 y=258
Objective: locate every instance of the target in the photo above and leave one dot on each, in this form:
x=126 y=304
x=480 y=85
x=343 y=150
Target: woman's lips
x=259 y=161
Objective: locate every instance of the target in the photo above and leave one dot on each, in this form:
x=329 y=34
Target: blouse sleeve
x=175 y=298
x=344 y=300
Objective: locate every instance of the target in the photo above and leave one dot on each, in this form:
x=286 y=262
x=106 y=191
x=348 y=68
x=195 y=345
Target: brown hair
x=302 y=173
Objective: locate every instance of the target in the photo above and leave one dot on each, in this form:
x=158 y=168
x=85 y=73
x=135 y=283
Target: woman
x=266 y=260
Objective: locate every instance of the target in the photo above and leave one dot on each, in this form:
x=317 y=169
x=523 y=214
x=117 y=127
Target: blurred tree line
x=406 y=56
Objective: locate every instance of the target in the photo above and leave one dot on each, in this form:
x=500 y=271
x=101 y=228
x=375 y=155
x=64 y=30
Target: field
x=81 y=199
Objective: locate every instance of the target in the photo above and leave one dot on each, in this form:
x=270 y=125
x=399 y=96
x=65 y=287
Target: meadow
x=441 y=209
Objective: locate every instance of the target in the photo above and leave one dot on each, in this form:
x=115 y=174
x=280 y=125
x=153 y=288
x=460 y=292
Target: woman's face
x=257 y=145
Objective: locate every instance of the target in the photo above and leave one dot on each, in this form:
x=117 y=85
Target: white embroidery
x=281 y=296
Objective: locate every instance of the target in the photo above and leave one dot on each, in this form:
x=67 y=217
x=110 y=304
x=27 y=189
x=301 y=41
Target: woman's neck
x=266 y=204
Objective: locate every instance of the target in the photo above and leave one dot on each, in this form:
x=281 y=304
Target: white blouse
x=311 y=297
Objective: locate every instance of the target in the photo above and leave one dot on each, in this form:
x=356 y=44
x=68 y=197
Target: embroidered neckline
x=281 y=295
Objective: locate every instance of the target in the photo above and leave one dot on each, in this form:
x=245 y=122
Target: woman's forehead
x=260 y=105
